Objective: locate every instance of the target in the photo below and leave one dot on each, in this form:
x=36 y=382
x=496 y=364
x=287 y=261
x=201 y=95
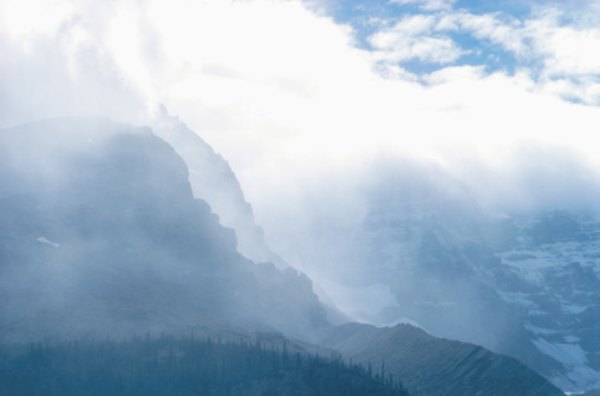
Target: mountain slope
x=524 y=285
x=550 y=275
x=213 y=181
x=100 y=233
x=431 y=366
x=426 y=252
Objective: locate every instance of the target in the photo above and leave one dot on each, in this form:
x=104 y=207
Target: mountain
x=521 y=284
x=432 y=366
x=550 y=276
x=595 y=392
x=100 y=234
x=213 y=181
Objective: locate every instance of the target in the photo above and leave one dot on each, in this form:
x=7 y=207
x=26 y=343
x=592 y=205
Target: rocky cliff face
x=213 y=181
x=525 y=285
x=550 y=276
x=100 y=235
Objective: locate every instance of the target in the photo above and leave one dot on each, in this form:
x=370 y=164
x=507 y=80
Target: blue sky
x=363 y=14
x=470 y=43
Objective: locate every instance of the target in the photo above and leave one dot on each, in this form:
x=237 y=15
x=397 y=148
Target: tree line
x=181 y=367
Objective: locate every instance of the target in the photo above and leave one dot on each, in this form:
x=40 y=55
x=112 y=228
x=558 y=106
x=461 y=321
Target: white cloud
x=506 y=32
x=566 y=50
x=558 y=47
x=586 y=89
x=56 y=63
x=426 y=37
x=413 y=38
x=279 y=90
x=429 y=5
x=393 y=47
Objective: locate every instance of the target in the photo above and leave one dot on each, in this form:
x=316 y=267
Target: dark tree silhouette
x=181 y=367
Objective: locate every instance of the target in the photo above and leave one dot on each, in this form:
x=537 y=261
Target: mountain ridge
x=100 y=233
x=409 y=353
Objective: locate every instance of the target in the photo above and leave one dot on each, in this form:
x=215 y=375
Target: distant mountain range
x=523 y=284
x=435 y=366
x=105 y=233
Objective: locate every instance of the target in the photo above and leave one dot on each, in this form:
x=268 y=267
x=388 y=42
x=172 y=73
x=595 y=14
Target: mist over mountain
x=101 y=236
x=410 y=186
x=434 y=366
x=213 y=181
x=424 y=250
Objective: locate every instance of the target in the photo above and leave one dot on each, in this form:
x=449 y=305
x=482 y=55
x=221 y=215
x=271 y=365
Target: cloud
x=563 y=45
x=301 y=113
x=429 y=5
x=412 y=38
x=282 y=91
x=566 y=49
x=494 y=28
x=57 y=64
x=556 y=46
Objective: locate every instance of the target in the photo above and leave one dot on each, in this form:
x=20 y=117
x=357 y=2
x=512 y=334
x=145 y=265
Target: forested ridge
x=178 y=366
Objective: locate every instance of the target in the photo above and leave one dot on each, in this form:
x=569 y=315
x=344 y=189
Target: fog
x=361 y=174
x=282 y=107
x=300 y=115
x=101 y=236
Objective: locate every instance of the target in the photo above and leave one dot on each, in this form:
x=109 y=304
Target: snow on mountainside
x=517 y=282
x=100 y=235
x=426 y=252
x=555 y=262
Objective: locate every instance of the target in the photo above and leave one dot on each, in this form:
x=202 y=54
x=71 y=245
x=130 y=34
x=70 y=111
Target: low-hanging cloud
x=281 y=89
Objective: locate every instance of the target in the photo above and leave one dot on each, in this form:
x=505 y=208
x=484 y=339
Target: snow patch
x=568 y=354
x=46 y=241
x=405 y=320
x=575 y=361
x=572 y=339
x=520 y=299
x=574 y=309
x=539 y=330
